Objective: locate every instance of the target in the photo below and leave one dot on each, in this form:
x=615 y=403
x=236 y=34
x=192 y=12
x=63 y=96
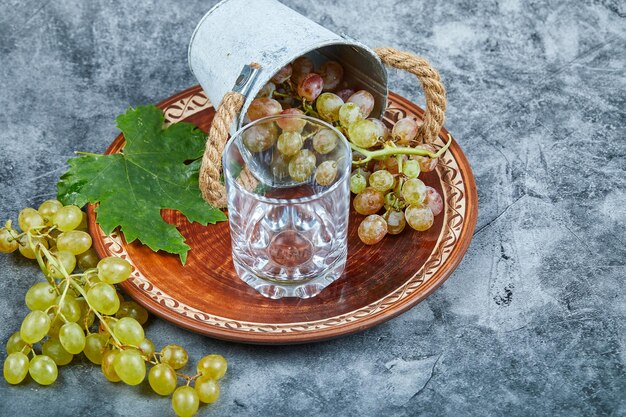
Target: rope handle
x=214 y=191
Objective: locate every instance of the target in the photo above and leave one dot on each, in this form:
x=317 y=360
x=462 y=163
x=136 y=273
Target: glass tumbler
x=287 y=181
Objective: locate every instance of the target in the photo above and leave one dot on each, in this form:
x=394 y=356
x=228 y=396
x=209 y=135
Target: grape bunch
x=388 y=159
x=77 y=309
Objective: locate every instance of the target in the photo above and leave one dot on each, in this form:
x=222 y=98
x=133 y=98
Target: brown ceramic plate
x=379 y=282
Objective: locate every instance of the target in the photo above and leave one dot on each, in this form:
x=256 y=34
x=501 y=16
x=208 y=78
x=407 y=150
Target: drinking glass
x=287 y=181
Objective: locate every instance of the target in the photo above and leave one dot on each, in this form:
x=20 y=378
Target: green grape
x=16 y=343
x=15 y=367
x=68 y=218
x=174 y=355
x=103 y=298
x=365 y=101
x=328 y=105
x=74 y=241
x=185 y=401
x=404 y=131
x=382 y=130
x=414 y=191
x=84 y=224
x=70 y=309
x=35 y=326
x=130 y=366
x=358 y=182
x=349 y=114
x=260 y=137
x=111 y=322
x=87 y=316
x=146 y=347
x=372 y=229
x=88 y=259
x=419 y=217
x=289 y=143
x=95 y=344
x=208 y=389
x=134 y=310
x=48 y=209
x=411 y=168
x=382 y=180
x=113 y=270
x=108 y=370
x=8 y=243
x=395 y=222
x=72 y=338
x=212 y=366
x=55 y=350
x=325 y=141
x=55 y=325
x=363 y=133
x=40 y=296
x=162 y=379
x=369 y=201
x=302 y=165
x=43 y=370
x=29 y=218
x=326 y=173
x=129 y=331
x=66 y=259
x=293 y=123
x=25 y=248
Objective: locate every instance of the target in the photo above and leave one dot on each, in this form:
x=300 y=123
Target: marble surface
x=533 y=322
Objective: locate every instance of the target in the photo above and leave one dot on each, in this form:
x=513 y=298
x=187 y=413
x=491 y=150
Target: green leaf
x=150 y=174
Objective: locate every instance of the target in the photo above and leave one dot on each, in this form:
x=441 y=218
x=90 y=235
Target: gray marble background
x=533 y=322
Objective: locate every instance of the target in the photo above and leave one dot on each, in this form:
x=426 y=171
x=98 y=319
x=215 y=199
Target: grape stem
x=393 y=150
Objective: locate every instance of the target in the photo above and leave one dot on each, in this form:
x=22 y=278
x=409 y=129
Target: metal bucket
x=235 y=33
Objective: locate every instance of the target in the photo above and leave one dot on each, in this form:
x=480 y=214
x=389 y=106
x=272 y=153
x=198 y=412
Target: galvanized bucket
x=236 y=33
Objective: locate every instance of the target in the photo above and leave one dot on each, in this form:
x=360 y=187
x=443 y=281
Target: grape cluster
x=388 y=161
x=77 y=309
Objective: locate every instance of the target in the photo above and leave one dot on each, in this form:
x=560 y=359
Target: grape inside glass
x=287 y=179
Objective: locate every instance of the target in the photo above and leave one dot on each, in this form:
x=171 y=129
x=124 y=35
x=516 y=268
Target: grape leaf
x=150 y=174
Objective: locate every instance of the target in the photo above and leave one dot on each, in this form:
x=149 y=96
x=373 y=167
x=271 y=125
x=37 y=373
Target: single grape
x=55 y=350
x=48 y=209
x=282 y=75
x=332 y=74
x=260 y=137
x=87 y=260
x=369 y=201
x=302 y=165
x=411 y=168
x=419 y=217
x=71 y=308
x=146 y=347
x=25 y=248
x=55 y=324
x=310 y=86
x=326 y=173
x=289 y=143
x=29 y=218
x=95 y=345
x=372 y=229
x=263 y=107
x=328 y=105
x=68 y=218
x=84 y=224
x=15 y=367
x=358 y=183
x=414 y=191
x=434 y=201
x=395 y=221
x=65 y=258
x=208 y=389
x=185 y=401
x=134 y=310
x=363 y=133
x=325 y=141
x=107 y=366
x=426 y=163
x=111 y=322
x=174 y=355
x=114 y=270
x=72 y=338
x=40 y=296
x=300 y=67
x=130 y=366
x=267 y=90
x=212 y=366
x=162 y=379
x=87 y=315
x=293 y=123
x=129 y=331
x=16 y=343
x=8 y=243
x=43 y=370
x=103 y=298
x=404 y=131
x=35 y=326
x=382 y=130
x=349 y=114
x=381 y=180
x=345 y=94
x=74 y=241
x=365 y=101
